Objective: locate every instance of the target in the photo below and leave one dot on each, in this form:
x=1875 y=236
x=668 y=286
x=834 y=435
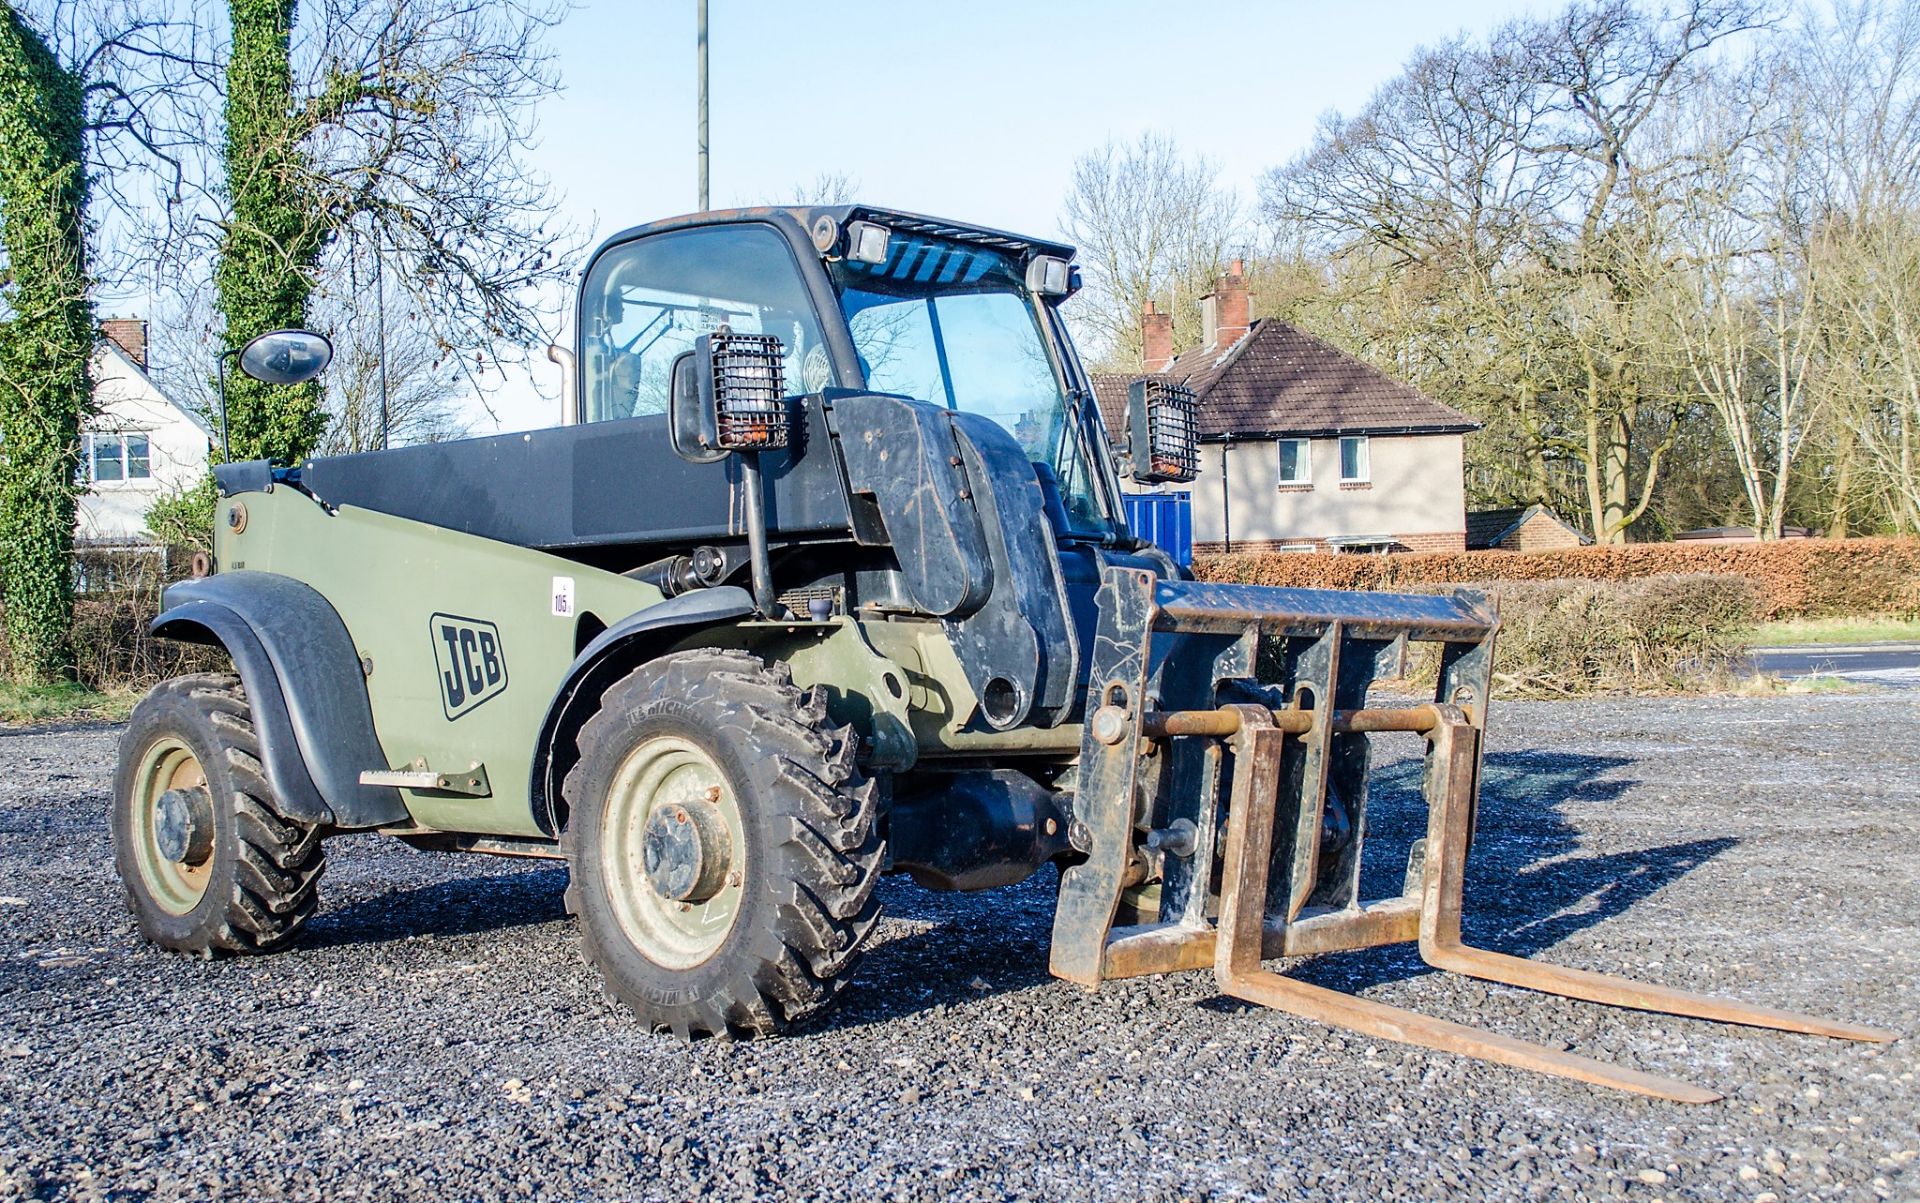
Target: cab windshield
x=951 y=324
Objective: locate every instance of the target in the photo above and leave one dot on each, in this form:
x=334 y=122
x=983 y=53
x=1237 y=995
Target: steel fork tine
x=1448 y=830
x=1250 y=823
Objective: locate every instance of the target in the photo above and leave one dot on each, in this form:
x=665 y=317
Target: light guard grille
x=749 y=390
x=1170 y=444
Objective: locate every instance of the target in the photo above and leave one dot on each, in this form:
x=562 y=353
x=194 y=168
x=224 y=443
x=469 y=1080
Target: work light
x=1049 y=276
x=749 y=391
x=1162 y=433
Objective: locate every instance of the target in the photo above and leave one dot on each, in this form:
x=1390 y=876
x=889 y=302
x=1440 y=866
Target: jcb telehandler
x=823 y=576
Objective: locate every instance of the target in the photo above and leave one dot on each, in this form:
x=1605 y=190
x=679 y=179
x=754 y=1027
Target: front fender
x=611 y=655
x=304 y=685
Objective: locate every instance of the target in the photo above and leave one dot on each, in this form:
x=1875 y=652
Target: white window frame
x=1366 y=460
x=1305 y=465
x=89 y=461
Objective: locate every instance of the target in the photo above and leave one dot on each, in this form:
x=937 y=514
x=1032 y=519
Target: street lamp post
x=702 y=46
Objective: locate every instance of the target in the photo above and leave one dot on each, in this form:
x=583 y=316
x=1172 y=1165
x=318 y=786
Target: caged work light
x=749 y=391
x=1162 y=433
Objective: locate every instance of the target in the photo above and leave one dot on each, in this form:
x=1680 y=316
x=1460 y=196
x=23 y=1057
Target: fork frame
x=1278 y=762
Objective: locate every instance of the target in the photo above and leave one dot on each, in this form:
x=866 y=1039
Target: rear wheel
x=209 y=866
x=723 y=845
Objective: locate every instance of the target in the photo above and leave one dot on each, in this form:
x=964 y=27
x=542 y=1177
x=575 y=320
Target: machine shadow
x=1528 y=888
x=464 y=906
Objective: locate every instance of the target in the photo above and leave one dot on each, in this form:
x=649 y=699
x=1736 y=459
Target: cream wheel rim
x=669 y=773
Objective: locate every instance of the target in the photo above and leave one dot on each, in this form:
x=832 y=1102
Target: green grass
x=1766 y=685
x=1836 y=630
x=31 y=704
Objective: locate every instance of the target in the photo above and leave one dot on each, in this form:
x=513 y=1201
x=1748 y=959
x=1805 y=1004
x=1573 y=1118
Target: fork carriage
x=1252 y=816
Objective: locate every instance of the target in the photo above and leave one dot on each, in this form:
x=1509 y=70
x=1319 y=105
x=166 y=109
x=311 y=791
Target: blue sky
x=969 y=110
x=974 y=111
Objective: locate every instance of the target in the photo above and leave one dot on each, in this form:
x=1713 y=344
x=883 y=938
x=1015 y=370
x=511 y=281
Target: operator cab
x=865 y=300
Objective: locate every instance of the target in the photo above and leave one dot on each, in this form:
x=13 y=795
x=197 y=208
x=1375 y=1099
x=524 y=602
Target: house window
x=1354 y=465
x=1296 y=462
x=112 y=458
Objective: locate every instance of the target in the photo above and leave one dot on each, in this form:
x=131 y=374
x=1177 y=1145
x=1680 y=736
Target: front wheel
x=209 y=866
x=723 y=845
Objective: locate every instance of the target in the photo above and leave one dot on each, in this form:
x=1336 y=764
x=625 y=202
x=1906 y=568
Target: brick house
x=1521 y=528
x=1303 y=446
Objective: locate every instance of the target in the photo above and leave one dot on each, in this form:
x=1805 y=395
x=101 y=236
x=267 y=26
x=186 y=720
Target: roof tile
x=1280 y=380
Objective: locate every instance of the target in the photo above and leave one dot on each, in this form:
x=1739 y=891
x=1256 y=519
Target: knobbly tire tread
x=266 y=879
x=803 y=802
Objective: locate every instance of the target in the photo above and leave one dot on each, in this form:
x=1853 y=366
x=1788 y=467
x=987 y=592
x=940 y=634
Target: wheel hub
x=173 y=828
x=686 y=851
x=183 y=825
x=675 y=851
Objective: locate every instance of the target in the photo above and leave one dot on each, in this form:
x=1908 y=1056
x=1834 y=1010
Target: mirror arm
x=226 y=443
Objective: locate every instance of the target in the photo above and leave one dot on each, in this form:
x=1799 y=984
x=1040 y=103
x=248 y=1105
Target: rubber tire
x=809 y=821
x=266 y=868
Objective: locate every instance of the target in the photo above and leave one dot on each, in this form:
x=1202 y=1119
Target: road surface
x=1891 y=665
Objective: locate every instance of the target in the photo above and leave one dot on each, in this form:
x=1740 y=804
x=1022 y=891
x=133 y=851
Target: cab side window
x=645 y=302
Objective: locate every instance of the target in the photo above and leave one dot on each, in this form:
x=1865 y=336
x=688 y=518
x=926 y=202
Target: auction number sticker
x=563 y=597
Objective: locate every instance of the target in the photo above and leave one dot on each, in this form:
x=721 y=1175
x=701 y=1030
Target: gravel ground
x=435 y=1034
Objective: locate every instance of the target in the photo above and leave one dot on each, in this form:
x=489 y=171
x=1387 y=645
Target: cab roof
x=807 y=216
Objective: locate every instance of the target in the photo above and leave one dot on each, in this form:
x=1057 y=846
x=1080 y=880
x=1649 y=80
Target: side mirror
x=286 y=356
x=728 y=394
x=1163 y=441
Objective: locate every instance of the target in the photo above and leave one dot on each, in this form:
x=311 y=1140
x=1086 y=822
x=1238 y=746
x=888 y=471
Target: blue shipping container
x=1164 y=518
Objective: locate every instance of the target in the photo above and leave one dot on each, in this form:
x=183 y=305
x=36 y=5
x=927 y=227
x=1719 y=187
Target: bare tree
x=1504 y=195
x=827 y=188
x=1859 y=77
x=1152 y=224
x=403 y=123
x=385 y=387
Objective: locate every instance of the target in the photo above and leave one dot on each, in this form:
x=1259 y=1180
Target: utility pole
x=380 y=307
x=702 y=42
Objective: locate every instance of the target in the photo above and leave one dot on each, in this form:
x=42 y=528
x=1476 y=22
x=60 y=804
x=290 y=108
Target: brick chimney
x=1156 y=339
x=1224 y=312
x=130 y=335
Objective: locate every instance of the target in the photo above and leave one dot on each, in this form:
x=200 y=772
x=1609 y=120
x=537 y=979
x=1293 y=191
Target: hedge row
x=111 y=646
x=1656 y=634
x=1810 y=578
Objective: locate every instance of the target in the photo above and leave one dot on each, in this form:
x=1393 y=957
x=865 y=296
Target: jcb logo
x=473 y=665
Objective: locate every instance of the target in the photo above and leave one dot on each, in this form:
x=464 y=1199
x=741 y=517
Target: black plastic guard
x=902 y=454
x=1021 y=634
x=303 y=681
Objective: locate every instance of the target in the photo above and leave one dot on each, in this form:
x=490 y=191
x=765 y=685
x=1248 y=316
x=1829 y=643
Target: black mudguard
x=611 y=655
x=305 y=688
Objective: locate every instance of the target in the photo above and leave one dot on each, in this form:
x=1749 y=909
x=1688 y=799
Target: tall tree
x=403 y=122
x=271 y=242
x=45 y=341
x=1152 y=224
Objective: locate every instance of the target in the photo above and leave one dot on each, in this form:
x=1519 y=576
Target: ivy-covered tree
x=46 y=337
x=272 y=240
x=394 y=125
